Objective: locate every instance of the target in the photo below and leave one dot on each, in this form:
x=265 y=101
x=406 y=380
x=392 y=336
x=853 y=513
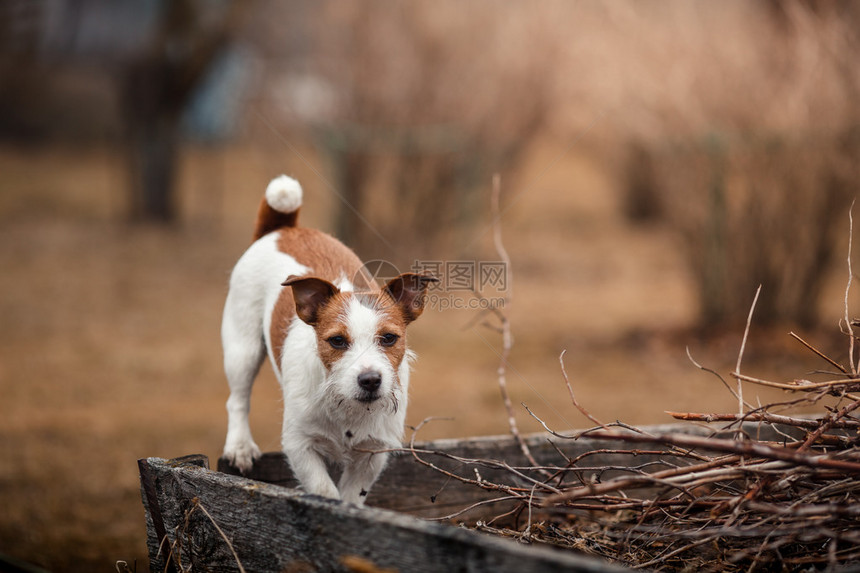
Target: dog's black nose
x=369 y=381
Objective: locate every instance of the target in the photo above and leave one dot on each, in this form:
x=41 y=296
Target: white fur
x=284 y=194
x=323 y=420
x=320 y=408
x=245 y=335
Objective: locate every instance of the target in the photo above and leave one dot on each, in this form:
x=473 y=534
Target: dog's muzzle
x=369 y=383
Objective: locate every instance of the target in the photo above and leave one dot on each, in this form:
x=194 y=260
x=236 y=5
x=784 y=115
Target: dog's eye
x=338 y=342
x=388 y=339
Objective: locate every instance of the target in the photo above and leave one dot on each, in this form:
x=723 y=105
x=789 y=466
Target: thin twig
x=761 y=417
x=834 y=418
x=718 y=375
x=800 y=385
x=819 y=353
x=747 y=448
x=851 y=339
x=572 y=396
x=741 y=353
x=507 y=339
x=475 y=506
x=198 y=505
x=678 y=551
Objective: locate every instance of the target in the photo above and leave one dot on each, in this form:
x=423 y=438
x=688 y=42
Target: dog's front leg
x=311 y=471
x=244 y=353
x=359 y=475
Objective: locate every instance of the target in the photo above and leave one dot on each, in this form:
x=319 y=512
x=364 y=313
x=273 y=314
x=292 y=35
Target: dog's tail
x=280 y=207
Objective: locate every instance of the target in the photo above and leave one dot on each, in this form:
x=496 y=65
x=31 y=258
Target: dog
x=337 y=343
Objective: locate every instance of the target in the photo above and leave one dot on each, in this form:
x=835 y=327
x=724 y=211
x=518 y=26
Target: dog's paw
x=242 y=456
x=323 y=489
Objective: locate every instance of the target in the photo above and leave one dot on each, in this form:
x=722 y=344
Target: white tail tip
x=284 y=194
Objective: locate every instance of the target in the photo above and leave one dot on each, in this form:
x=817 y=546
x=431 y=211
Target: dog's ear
x=409 y=292
x=310 y=294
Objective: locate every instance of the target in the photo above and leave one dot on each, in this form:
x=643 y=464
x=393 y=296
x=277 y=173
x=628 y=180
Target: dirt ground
x=110 y=350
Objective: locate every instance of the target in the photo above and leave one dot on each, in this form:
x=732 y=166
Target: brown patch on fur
x=330 y=322
x=392 y=320
x=282 y=315
x=269 y=220
x=327 y=258
x=394 y=323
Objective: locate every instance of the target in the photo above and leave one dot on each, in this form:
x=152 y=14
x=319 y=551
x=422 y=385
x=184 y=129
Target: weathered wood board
x=276 y=529
x=410 y=487
x=273 y=527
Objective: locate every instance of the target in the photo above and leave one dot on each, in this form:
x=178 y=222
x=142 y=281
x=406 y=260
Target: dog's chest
x=340 y=442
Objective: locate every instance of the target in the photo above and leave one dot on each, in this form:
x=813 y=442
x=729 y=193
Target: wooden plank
x=156 y=533
x=410 y=487
x=276 y=529
x=406 y=486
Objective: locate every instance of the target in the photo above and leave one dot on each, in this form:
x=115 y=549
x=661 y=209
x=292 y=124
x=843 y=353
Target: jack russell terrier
x=337 y=344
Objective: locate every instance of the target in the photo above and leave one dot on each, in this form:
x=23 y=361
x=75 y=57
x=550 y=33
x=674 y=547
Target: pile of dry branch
x=759 y=489
x=762 y=491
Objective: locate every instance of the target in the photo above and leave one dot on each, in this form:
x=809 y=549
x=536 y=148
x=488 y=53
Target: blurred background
x=658 y=162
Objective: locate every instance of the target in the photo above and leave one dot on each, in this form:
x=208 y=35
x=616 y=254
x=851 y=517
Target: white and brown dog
x=337 y=344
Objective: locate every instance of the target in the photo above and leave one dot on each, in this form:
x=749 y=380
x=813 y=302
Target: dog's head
x=361 y=337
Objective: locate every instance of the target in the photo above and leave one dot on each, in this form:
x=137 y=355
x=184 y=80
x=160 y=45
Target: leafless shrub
x=758 y=213
x=755 y=190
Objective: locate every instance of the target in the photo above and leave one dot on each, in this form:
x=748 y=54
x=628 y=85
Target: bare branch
x=507 y=338
x=819 y=353
x=741 y=353
x=718 y=375
x=745 y=448
x=572 y=396
x=761 y=417
x=851 y=339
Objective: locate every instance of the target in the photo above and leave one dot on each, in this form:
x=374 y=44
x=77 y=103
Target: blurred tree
x=21 y=74
x=759 y=187
x=89 y=70
x=416 y=105
x=454 y=91
x=641 y=197
x=776 y=208
x=157 y=85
